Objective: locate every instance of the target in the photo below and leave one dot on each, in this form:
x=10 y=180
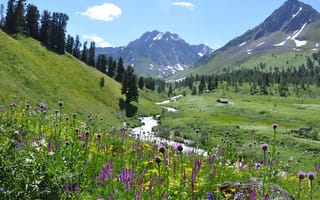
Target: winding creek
x=145 y=131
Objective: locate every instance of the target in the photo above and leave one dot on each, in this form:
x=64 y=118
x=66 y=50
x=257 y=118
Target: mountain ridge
x=294 y=26
x=158 y=54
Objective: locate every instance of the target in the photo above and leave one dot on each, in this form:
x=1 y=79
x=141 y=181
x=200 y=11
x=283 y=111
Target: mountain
x=29 y=71
x=294 y=27
x=158 y=54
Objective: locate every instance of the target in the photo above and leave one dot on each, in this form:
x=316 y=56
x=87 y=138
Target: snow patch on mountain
x=297 y=13
x=280 y=44
x=159 y=36
x=261 y=43
x=243 y=43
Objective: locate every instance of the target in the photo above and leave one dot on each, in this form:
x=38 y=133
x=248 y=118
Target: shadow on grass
x=130 y=109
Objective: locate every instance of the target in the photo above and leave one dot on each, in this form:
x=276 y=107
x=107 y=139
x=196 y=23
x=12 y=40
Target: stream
x=145 y=131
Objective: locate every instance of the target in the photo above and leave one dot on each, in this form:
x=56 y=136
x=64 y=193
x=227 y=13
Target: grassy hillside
x=28 y=71
x=226 y=61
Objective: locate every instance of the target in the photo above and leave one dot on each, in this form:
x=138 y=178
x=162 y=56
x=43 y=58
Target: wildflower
x=264 y=146
x=301 y=175
x=179 y=147
x=42 y=105
x=68 y=143
x=66 y=185
x=60 y=103
x=210 y=196
x=310 y=176
x=56 y=111
x=98 y=135
x=265 y=197
x=238 y=196
x=158 y=159
x=162 y=149
x=253 y=195
x=126 y=177
x=2 y=191
x=76 y=189
x=274 y=126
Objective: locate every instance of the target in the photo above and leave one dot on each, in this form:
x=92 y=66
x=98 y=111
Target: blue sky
x=118 y=22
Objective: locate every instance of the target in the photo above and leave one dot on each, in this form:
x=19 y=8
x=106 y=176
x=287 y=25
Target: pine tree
x=1 y=16
x=120 y=70
x=102 y=63
x=129 y=85
x=141 y=82
x=32 y=21
x=11 y=22
x=69 y=44
x=76 y=47
x=84 y=54
x=45 y=27
x=19 y=15
x=91 y=54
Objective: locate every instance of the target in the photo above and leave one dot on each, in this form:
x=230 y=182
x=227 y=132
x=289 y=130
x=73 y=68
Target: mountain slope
x=294 y=27
x=158 y=53
x=28 y=71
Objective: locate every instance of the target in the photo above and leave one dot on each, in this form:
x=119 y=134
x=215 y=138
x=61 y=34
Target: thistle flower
x=301 y=175
x=310 y=176
x=274 y=126
x=162 y=149
x=180 y=148
x=158 y=159
x=264 y=147
x=60 y=103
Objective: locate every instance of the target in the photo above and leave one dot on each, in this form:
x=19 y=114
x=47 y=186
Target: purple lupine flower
x=253 y=195
x=193 y=175
x=107 y=171
x=50 y=145
x=126 y=177
x=152 y=181
x=2 y=191
x=210 y=196
x=76 y=188
x=301 y=175
x=66 y=186
x=184 y=175
x=310 y=176
x=197 y=165
x=265 y=197
x=264 y=147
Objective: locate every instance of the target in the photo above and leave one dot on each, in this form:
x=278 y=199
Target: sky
x=117 y=22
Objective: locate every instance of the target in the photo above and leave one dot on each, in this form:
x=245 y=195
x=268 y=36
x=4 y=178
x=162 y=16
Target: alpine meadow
x=159 y=118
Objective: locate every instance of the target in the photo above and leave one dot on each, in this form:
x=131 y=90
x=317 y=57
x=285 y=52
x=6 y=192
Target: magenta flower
x=274 y=126
x=264 y=147
x=180 y=147
x=301 y=175
x=310 y=176
x=162 y=149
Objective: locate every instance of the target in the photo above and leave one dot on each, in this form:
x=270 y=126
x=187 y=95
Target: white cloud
x=99 y=41
x=104 y=12
x=184 y=4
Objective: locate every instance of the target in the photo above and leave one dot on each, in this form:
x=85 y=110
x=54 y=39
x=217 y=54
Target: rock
x=245 y=190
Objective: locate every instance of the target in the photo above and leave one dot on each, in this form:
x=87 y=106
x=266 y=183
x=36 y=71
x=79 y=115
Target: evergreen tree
x=141 y=82
x=129 y=85
x=102 y=63
x=91 y=54
x=170 y=90
x=32 y=21
x=2 y=16
x=62 y=25
x=19 y=16
x=69 y=44
x=120 y=70
x=45 y=27
x=84 y=54
x=11 y=22
x=76 y=47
